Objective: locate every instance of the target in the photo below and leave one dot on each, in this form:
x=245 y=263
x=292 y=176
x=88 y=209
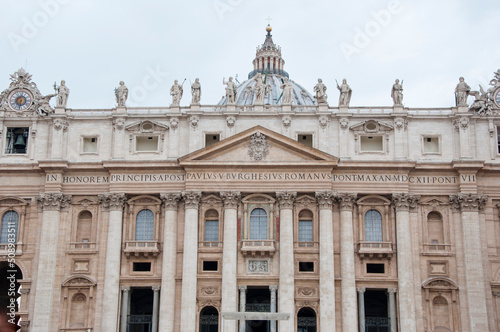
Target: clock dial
x=497 y=97
x=20 y=100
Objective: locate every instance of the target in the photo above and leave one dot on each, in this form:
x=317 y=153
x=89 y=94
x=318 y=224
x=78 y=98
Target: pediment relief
x=304 y=201
x=79 y=281
x=146 y=126
x=258 y=145
x=212 y=200
x=434 y=201
x=373 y=200
x=371 y=127
x=440 y=283
x=85 y=201
x=12 y=201
x=144 y=200
x=258 y=198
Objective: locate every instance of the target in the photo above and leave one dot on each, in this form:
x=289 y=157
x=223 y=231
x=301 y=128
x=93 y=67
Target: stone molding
x=286 y=199
x=118 y=124
x=230 y=121
x=60 y=124
x=346 y=201
x=230 y=199
x=170 y=200
x=112 y=201
x=361 y=289
x=467 y=202
x=191 y=199
x=325 y=199
x=405 y=201
x=273 y=288
x=125 y=288
x=242 y=288
x=392 y=290
x=53 y=201
x=156 y=288
x=323 y=121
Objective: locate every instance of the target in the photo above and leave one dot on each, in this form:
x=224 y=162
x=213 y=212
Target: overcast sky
x=93 y=44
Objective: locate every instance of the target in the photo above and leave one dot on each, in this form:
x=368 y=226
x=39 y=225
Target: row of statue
x=482 y=103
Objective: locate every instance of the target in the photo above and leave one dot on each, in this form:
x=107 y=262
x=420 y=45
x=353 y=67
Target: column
x=361 y=308
x=470 y=205
x=229 y=257
x=190 y=261
x=273 y=290
x=168 y=268
x=347 y=271
x=51 y=204
x=124 y=309
x=326 y=265
x=392 y=309
x=286 y=280
x=403 y=202
x=243 y=304
x=114 y=204
x=156 y=293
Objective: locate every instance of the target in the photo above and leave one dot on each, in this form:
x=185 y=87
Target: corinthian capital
x=286 y=199
x=170 y=200
x=112 y=201
x=325 y=199
x=346 y=200
x=405 y=201
x=53 y=201
x=191 y=199
x=468 y=202
x=230 y=198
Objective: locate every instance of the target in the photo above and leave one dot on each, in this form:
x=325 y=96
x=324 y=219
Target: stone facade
x=341 y=218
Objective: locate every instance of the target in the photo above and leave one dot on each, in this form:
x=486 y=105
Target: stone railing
x=258 y=248
x=141 y=248
x=437 y=247
x=81 y=246
x=210 y=244
x=306 y=244
x=375 y=249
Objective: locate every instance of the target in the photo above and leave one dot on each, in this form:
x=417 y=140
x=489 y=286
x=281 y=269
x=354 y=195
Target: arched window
x=435 y=232
x=209 y=320
x=78 y=312
x=306 y=320
x=305 y=226
x=84 y=227
x=10 y=220
x=258 y=224
x=144 y=225
x=211 y=226
x=373 y=226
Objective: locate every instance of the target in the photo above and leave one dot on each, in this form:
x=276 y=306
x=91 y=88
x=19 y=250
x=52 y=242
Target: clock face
x=20 y=100
x=497 y=97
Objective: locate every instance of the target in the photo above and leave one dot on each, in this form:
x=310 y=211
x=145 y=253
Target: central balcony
x=142 y=248
x=377 y=250
x=258 y=248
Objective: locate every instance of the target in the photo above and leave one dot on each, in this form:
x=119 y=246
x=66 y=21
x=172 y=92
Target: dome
x=269 y=63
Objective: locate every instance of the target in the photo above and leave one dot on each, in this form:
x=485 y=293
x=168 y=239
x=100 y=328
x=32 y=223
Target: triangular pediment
x=259 y=145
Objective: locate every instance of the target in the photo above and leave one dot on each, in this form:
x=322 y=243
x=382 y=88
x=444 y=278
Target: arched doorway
x=209 y=320
x=306 y=320
x=9 y=296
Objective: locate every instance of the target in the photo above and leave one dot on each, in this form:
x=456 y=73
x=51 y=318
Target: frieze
x=468 y=202
x=210 y=290
x=230 y=121
x=170 y=200
x=112 y=202
x=53 y=201
x=258 y=266
x=306 y=291
x=323 y=121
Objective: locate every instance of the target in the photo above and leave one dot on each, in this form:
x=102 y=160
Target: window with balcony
x=258 y=229
x=373 y=226
x=435 y=232
x=258 y=224
x=211 y=236
x=144 y=226
x=10 y=225
x=306 y=236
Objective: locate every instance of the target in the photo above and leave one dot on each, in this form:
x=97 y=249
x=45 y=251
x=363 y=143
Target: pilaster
x=286 y=296
x=50 y=204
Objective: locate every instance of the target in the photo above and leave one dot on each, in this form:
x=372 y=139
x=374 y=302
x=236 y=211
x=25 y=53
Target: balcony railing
x=375 y=249
x=377 y=324
x=306 y=244
x=258 y=307
x=258 y=248
x=141 y=248
x=437 y=247
x=81 y=246
x=210 y=244
x=4 y=249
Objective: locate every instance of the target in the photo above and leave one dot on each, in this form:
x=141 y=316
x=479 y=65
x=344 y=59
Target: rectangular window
x=89 y=145
x=141 y=267
x=146 y=143
x=375 y=268
x=212 y=231
x=211 y=139
x=210 y=265
x=305 y=231
x=16 y=140
x=306 y=139
x=306 y=266
x=372 y=144
x=431 y=144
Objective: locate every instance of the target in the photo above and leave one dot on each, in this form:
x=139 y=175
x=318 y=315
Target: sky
x=95 y=44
